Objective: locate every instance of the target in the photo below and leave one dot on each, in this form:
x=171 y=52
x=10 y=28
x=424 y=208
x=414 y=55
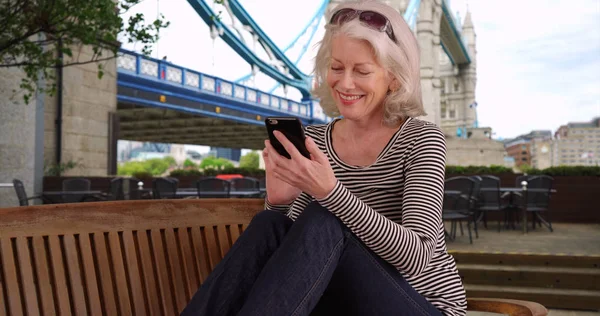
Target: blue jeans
x=313 y=266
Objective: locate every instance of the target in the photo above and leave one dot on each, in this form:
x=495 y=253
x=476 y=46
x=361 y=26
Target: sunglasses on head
x=371 y=19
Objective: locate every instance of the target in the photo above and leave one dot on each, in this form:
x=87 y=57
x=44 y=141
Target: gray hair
x=401 y=59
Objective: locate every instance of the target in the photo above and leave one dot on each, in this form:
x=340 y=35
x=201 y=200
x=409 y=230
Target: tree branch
x=6 y=45
x=22 y=64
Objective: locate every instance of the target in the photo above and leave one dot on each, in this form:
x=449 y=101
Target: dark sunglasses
x=372 y=19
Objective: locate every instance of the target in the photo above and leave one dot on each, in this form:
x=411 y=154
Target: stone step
x=531 y=276
x=550 y=298
x=527 y=259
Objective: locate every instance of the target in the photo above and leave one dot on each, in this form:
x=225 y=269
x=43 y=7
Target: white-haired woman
x=356 y=229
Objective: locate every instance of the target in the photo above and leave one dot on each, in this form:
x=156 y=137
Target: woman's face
x=356 y=81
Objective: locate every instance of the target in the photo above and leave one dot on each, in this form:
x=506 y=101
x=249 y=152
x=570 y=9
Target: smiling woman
x=355 y=228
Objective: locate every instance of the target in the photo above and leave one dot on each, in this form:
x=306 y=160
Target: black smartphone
x=292 y=128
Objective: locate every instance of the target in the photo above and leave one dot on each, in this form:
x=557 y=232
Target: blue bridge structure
x=159 y=101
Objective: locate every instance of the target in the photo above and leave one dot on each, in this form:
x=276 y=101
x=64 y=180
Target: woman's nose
x=347 y=81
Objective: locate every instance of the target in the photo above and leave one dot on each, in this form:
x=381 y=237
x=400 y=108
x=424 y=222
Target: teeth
x=349 y=98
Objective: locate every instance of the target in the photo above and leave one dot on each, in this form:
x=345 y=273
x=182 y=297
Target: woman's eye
x=364 y=73
x=336 y=68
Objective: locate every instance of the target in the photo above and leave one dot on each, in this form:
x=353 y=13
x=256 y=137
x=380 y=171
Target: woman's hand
x=313 y=176
x=278 y=191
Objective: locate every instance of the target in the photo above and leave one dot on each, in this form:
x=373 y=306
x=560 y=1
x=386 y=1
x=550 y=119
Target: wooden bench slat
x=75 y=275
x=105 y=280
x=214 y=251
x=135 y=275
x=60 y=278
x=43 y=272
x=163 y=277
x=151 y=283
x=223 y=239
x=120 y=277
x=27 y=277
x=235 y=232
x=11 y=280
x=89 y=267
x=176 y=269
x=190 y=274
x=202 y=255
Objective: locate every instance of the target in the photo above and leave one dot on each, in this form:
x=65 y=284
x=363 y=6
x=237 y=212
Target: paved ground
x=572 y=239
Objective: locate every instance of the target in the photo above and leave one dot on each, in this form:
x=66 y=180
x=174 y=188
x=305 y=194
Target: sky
x=538 y=61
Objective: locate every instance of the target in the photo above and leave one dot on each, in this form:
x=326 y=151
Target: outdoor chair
x=262 y=185
x=164 y=188
x=115 y=191
x=75 y=184
x=212 y=187
x=22 y=194
x=459 y=207
x=537 y=200
x=245 y=184
x=489 y=200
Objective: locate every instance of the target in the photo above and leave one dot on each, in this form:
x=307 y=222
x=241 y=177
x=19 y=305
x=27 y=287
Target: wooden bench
x=128 y=258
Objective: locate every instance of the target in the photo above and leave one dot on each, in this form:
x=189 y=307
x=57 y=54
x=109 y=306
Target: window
x=452 y=113
x=524 y=159
x=523 y=147
x=456 y=86
x=523 y=153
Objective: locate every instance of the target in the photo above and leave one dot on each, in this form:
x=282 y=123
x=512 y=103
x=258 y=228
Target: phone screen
x=292 y=128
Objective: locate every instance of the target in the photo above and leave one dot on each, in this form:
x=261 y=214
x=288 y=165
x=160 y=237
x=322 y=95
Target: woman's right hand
x=278 y=191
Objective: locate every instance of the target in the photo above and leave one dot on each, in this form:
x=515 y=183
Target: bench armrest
x=506 y=306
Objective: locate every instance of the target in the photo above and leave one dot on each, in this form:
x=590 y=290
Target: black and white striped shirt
x=395 y=206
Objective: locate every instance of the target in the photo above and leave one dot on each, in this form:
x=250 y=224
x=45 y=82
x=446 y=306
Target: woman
x=363 y=233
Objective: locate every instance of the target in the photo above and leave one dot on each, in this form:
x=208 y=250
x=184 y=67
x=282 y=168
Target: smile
x=349 y=98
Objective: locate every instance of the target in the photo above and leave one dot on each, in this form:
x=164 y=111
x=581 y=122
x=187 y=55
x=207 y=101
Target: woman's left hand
x=313 y=176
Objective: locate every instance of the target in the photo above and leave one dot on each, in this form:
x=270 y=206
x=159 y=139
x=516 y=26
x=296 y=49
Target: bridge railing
x=161 y=70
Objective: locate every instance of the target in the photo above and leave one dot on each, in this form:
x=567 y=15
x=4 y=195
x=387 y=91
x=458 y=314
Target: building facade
x=533 y=149
x=520 y=150
x=458 y=108
x=577 y=144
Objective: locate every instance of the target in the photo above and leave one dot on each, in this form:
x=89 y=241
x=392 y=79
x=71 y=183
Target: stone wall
x=87 y=102
x=474 y=152
x=17 y=136
x=428 y=36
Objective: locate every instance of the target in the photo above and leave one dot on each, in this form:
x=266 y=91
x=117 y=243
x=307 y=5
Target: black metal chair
x=22 y=194
x=262 y=186
x=459 y=207
x=75 y=184
x=245 y=184
x=212 y=187
x=115 y=191
x=537 y=200
x=164 y=188
x=489 y=200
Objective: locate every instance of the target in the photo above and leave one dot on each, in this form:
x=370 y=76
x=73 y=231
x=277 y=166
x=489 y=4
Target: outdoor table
x=183 y=193
x=519 y=191
x=51 y=195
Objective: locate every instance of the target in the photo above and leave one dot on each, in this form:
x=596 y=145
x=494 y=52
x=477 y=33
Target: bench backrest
x=129 y=257
x=114 y=258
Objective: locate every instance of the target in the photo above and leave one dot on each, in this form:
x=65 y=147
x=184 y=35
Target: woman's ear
x=394 y=85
